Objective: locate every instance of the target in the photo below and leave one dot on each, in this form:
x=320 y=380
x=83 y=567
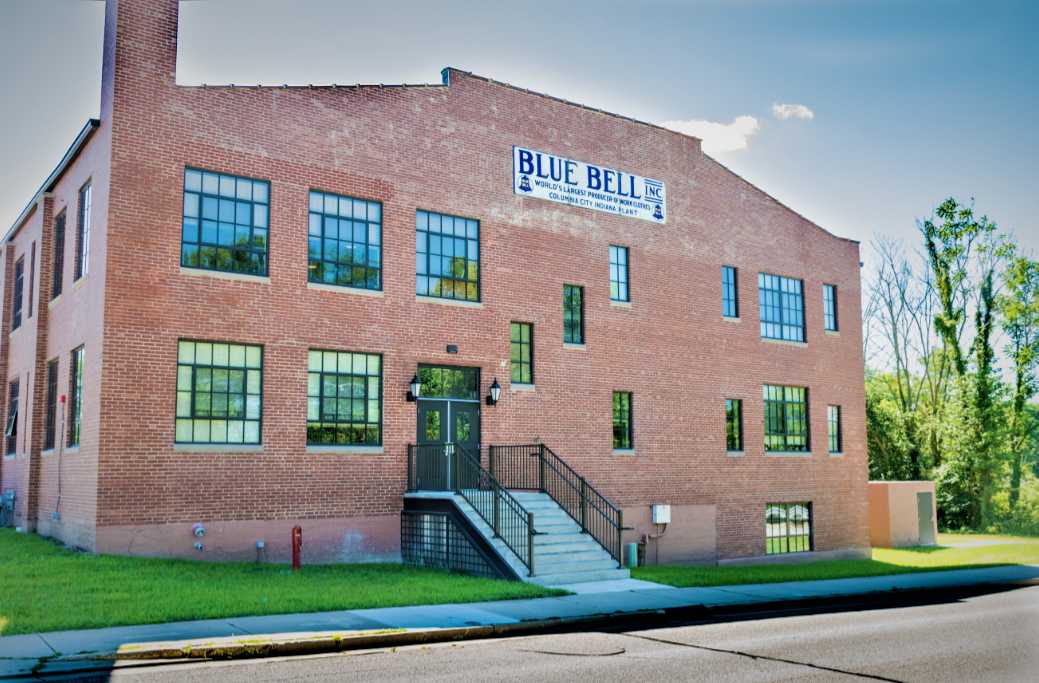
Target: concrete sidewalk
x=103 y=649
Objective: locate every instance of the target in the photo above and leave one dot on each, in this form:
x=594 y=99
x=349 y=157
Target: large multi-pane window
x=344 y=245
x=447 y=256
x=18 y=293
x=619 y=274
x=344 y=398
x=83 y=232
x=573 y=314
x=75 y=418
x=730 y=300
x=734 y=424
x=11 y=433
x=225 y=223
x=833 y=423
x=781 y=300
x=788 y=528
x=58 y=265
x=830 y=307
x=521 y=352
x=219 y=393
x=50 y=421
x=786 y=418
x=623 y=429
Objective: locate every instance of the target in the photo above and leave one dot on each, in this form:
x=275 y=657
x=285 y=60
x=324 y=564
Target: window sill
x=520 y=387
x=785 y=342
x=836 y=454
x=71 y=450
x=49 y=451
x=346 y=450
x=730 y=319
x=12 y=333
x=734 y=454
x=76 y=284
x=624 y=451
x=574 y=347
x=53 y=302
x=10 y=456
x=788 y=454
x=220 y=275
x=620 y=304
x=217 y=448
x=343 y=289
x=832 y=333
x=448 y=302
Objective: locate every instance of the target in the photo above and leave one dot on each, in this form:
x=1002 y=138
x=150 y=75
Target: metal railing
x=536 y=467
x=452 y=467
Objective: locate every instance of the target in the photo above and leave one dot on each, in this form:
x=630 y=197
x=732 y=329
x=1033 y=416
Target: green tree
x=1019 y=306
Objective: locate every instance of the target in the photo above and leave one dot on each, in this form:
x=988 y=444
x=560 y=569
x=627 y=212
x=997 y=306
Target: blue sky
x=909 y=101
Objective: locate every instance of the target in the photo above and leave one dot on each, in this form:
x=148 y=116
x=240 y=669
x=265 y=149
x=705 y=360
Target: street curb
x=247 y=647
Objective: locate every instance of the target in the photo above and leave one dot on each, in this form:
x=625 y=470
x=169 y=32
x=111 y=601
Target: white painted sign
x=567 y=181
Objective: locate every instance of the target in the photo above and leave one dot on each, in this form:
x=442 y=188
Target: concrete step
x=556 y=527
x=577 y=577
x=560 y=539
x=581 y=561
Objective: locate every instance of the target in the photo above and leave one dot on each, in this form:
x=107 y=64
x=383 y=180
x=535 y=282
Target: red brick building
x=216 y=303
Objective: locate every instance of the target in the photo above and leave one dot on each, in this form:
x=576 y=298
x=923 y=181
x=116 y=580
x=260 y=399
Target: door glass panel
x=463 y=428
x=433 y=425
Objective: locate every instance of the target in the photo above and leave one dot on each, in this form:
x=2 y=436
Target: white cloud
x=792 y=111
x=718 y=137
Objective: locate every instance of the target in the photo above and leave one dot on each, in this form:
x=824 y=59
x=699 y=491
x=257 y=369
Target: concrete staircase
x=562 y=554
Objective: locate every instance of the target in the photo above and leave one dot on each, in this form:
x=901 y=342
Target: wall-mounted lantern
x=492 y=398
x=415 y=389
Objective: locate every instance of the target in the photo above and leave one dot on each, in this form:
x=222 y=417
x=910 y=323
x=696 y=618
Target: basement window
x=788 y=528
x=219 y=393
x=225 y=223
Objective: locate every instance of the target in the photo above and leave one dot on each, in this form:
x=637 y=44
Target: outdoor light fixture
x=492 y=398
x=416 y=389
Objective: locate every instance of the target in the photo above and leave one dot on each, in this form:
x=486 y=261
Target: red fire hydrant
x=297 y=546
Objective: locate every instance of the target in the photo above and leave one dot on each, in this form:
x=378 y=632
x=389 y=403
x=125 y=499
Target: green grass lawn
x=44 y=587
x=885 y=561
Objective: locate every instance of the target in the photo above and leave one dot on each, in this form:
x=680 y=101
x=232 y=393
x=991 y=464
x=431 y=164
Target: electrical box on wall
x=661 y=514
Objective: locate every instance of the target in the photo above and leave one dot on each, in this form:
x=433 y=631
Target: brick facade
x=444 y=148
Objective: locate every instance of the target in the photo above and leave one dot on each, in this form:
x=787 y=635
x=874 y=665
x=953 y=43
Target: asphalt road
x=985 y=637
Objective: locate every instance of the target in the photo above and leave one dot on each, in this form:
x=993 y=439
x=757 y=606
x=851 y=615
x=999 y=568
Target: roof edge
x=656 y=126
x=71 y=153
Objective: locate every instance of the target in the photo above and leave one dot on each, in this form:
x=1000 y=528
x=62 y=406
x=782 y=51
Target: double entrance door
x=448 y=416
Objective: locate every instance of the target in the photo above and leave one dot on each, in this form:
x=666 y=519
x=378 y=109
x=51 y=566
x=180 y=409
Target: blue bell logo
x=524 y=185
x=658 y=213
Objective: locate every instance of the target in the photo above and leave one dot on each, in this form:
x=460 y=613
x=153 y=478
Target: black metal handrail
x=452 y=467
x=537 y=467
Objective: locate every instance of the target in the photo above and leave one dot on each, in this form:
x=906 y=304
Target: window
x=788 y=528
x=622 y=423
x=733 y=424
x=521 y=352
x=219 y=393
x=83 y=232
x=786 y=418
x=344 y=398
x=225 y=223
x=830 y=307
x=447 y=256
x=619 y=274
x=52 y=405
x=449 y=382
x=573 y=314
x=344 y=243
x=19 y=290
x=75 y=397
x=833 y=422
x=32 y=277
x=11 y=432
x=781 y=301
x=58 y=275
x=730 y=300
